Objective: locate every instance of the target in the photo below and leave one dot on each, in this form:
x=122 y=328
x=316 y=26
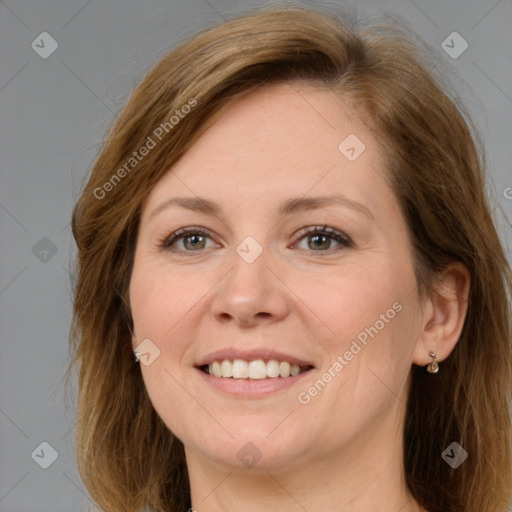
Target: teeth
x=256 y=370
x=284 y=369
x=227 y=368
x=273 y=368
x=216 y=369
x=294 y=370
x=240 y=369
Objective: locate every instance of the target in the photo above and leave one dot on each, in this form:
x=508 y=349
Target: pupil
x=317 y=237
x=193 y=239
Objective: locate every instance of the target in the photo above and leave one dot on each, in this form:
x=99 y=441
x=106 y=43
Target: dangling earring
x=137 y=357
x=433 y=367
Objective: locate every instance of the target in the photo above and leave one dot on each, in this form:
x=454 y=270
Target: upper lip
x=266 y=354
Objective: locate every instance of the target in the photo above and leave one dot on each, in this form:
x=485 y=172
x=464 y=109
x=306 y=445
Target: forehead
x=280 y=141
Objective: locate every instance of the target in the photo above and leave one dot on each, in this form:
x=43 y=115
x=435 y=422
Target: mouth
x=256 y=369
x=249 y=374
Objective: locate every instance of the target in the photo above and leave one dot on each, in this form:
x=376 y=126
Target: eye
x=320 y=238
x=192 y=239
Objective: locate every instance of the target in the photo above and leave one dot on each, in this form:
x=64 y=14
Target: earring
x=433 y=367
x=137 y=357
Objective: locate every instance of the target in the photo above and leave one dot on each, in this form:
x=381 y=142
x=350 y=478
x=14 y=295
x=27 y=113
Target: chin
x=253 y=446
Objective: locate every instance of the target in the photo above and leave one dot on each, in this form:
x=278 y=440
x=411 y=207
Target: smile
x=257 y=369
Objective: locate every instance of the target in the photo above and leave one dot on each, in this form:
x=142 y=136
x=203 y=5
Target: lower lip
x=251 y=388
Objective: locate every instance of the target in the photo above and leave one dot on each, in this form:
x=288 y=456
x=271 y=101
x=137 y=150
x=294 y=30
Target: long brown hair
x=127 y=457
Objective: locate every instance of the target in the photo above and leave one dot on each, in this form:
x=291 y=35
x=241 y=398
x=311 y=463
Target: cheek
x=370 y=354
x=159 y=306
x=350 y=299
x=367 y=312
x=159 y=301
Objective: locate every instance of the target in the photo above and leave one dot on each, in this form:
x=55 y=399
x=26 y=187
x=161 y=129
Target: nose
x=250 y=294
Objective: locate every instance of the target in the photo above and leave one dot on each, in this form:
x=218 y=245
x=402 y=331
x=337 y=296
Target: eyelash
x=165 y=243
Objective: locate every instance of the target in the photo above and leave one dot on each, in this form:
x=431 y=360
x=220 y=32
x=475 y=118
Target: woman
x=291 y=294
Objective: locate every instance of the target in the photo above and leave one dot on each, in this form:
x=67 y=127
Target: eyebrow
x=288 y=207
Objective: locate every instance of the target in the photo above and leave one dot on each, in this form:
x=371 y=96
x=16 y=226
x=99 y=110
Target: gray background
x=53 y=114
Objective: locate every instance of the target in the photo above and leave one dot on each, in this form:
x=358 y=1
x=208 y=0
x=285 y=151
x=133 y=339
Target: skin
x=343 y=449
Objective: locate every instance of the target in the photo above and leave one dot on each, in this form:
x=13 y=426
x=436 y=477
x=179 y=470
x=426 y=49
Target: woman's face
x=296 y=253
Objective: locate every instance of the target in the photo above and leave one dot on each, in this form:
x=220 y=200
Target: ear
x=444 y=314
